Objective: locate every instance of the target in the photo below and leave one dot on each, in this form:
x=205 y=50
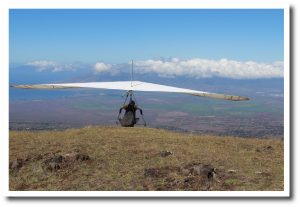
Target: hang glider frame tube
x=220 y=96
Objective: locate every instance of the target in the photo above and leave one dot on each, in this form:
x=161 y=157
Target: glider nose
x=244 y=99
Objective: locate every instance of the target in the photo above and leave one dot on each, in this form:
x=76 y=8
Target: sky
x=200 y=43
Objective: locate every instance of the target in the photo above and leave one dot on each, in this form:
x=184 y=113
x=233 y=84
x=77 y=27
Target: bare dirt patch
x=189 y=176
x=50 y=161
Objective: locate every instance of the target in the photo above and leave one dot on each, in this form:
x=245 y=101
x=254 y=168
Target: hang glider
x=133 y=86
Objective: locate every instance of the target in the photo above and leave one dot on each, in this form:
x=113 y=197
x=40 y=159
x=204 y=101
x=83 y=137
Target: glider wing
x=134 y=86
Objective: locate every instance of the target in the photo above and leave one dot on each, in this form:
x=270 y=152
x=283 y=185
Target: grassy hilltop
x=115 y=158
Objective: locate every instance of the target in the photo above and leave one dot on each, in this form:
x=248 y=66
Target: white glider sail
x=132 y=86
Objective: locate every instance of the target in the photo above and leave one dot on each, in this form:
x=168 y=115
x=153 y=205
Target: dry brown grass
x=120 y=155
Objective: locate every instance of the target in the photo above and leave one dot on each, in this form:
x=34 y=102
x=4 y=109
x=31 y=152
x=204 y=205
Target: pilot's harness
x=131 y=93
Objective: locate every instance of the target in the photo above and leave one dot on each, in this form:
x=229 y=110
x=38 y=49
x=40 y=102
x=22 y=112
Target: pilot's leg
x=134 y=118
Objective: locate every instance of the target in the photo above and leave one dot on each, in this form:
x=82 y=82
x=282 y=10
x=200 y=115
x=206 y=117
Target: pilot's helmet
x=132 y=102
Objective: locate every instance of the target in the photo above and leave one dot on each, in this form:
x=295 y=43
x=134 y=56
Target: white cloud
x=43 y=64
x=57 y=69
x=201 y=68
x=68 y=67
x=100 y=67
x=40 y=69
x=113 y=69
x=53 y=66
x=198 y=68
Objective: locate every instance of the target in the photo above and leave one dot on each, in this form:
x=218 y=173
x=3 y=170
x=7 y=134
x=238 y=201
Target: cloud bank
x=53 y=66
x=198 y=68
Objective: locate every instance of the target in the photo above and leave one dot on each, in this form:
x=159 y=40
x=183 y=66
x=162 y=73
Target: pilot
x=131 y=107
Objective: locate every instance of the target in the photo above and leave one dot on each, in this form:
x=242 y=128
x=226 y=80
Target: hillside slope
x=111 y=158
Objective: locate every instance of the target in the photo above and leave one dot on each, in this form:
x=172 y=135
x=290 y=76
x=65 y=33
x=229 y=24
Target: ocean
x=18 y=93
x=32 y=79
